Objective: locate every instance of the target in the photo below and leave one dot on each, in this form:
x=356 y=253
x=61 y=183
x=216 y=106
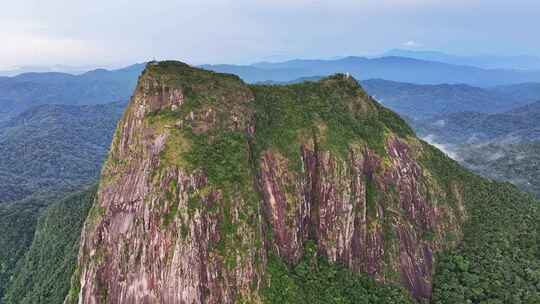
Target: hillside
x=502 y=146
x=517 y=125
x=44 y=274
x=24 y=91
x=47 y=151
x=203 y=170
x=520 y=91
x=18 y=222
x=51 y=147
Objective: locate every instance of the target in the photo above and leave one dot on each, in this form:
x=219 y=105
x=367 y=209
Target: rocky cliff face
x=207 y=176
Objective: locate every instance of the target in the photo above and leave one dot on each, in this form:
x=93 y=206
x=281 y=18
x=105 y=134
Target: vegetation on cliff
x=316 y=281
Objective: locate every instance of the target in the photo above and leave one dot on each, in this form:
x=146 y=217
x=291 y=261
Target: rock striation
x=208 y=176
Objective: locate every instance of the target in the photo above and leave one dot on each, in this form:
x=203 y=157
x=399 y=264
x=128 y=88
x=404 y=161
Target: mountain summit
x=215 y=191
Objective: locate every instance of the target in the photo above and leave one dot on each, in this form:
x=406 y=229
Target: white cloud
x=440 y=123
x=412 y=44
x=41 y=50
x=446 y=149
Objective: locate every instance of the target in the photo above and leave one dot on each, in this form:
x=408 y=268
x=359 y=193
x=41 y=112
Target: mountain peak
x=215 y=189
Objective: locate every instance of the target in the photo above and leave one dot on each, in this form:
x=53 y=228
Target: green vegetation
x=217 y=147
x=43 y=276
x=336 y=109
x=54 y=148
x=223 y=158
x=18 y=222
x=314 y=280
x=499 y=258
x=47 y=151
x=17 y=225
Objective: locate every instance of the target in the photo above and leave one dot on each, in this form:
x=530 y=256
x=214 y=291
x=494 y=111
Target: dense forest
x=54 y=147
x=44 y=274
x=48 y=151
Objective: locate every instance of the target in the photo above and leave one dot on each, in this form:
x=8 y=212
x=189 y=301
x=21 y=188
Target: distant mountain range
x=422 y=101
x=422 y=93
x=24 y=91
x=393 y=68
x=46 y=69
x=483 y=61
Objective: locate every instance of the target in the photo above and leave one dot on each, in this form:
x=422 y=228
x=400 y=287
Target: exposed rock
x=178 y=221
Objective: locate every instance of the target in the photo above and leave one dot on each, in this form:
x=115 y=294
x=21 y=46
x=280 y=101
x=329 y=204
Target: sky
x=122 y=32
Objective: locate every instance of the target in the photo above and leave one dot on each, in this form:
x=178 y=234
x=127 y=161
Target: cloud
x=412 y=44
x=446 y=149
x=41 y=49
x=242 y=31
x=440 y=123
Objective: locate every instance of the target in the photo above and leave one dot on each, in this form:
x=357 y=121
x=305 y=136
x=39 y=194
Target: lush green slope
x=43 y=276
x=17 y=224
x=498 y=259
x=54 y=147
x=47 y=151
x=315 y=281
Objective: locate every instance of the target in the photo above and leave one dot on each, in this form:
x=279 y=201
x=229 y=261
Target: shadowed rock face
x=191 y=201
x=329 y=203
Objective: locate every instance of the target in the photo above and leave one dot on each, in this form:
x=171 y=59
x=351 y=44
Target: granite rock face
x=196 y=193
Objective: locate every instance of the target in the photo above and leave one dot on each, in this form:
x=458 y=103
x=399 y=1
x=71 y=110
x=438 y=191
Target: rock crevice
x=191 y=203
